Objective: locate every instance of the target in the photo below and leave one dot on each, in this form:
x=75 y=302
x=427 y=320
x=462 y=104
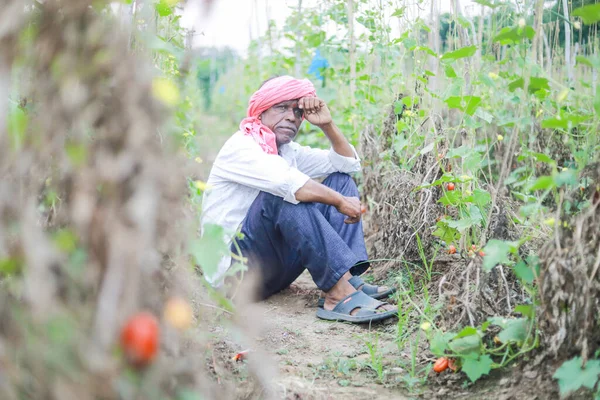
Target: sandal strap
x=356 y=300
x=356 y=281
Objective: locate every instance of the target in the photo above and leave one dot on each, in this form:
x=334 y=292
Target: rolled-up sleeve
x=242 y=161
x=343 y=163
x=317 y=163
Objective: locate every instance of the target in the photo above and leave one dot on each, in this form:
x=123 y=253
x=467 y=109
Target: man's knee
x=342 y=183
x=273 y=204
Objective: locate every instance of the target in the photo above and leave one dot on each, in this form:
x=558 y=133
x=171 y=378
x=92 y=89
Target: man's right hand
x=350 y=206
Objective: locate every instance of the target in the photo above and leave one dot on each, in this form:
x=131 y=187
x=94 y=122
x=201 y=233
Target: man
x=263 y=181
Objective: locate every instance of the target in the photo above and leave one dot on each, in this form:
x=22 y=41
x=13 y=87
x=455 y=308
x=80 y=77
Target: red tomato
x=363 y=209
x=450 y=186
x=481 y=253
x=473 y=247
x=139 y=338
x=451 y=249
x=440 y=365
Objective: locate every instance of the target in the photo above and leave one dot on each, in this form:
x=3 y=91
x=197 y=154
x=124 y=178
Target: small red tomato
x=363 y=209
x=440 y=365
x=481 y=253
x=451 y=249
x=241 y=356
x=473 y=247
x=139 y=338
x=450 y=186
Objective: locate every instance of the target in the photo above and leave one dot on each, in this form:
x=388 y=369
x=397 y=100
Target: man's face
x=283 y=119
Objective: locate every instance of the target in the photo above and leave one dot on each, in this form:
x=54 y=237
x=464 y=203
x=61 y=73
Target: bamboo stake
x=352 y=50
x=298 y=38
x=567 y=42
x=539 y=33
x=480 y=37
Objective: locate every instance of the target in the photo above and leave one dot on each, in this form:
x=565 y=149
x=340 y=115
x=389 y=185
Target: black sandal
x=370 y=290
x=367 y=310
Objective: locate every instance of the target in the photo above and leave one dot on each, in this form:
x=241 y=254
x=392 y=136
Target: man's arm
x=317 y=113
x=338 y=141
x=313 y=191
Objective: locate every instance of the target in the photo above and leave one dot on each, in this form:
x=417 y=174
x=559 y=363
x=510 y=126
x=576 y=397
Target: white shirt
x=242 y=170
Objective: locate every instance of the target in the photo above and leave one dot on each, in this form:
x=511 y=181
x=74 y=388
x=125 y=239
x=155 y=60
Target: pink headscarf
x=275 y=91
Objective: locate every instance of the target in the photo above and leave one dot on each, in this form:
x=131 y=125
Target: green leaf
x=17 y=126
x=461 y=151
x=543 y=158
x=450 y=198
x=468 y=104
x=399 y=12
x=476 y=368
x=516 y=84
x=445 y=233
x=449 y=71
x=467 y=331
x=489 y=3
x=526 y=310
x=439 y=342
x=536 y=84
x=398 y=107
x=480 y=197
x=568 y=177
x=163 y=9
x=589 y=14
x=496 y=252
x=542 y=183
x=426 y=50
x=464 y=52
x=524 y=272
x=484 y=115
x=510 y=35
x=316 y=39
x=463 y=224
x=466 y=346
x=77 y=153
x=515 y=331
x=571 y=376
x=9 y=266
x=209 y=249
x=584 y=60
x=427 y=148
x=555 y=123
x=65 y=240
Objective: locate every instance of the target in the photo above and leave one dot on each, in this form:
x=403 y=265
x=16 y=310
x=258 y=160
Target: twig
x=466 y=303
x=506 y=287
x=215 y=307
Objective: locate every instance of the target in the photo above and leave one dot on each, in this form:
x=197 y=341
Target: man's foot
x=357 y=308
x=342 y=290
x=376 y=292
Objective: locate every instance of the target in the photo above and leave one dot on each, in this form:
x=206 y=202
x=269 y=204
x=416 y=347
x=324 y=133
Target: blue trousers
x=281 y=240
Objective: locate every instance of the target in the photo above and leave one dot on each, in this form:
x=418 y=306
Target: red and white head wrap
x=274 y=91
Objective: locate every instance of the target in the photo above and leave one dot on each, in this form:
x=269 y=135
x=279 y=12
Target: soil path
x=320 y=359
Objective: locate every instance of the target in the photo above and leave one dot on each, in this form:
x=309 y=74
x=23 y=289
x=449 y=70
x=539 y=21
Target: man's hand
x=315 y=111
x=350 y=206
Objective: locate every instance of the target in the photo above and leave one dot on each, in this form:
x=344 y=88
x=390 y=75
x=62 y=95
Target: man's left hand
x=315 y=111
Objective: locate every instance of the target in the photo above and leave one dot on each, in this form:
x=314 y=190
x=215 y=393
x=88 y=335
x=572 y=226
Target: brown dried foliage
x=569 y=281
x=120 y=186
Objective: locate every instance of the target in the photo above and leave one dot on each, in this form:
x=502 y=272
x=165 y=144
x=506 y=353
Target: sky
x=233 y=23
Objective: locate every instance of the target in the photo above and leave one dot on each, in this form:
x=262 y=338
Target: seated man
x=261 y=180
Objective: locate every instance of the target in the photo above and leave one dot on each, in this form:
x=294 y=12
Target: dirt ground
x=317 y=359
